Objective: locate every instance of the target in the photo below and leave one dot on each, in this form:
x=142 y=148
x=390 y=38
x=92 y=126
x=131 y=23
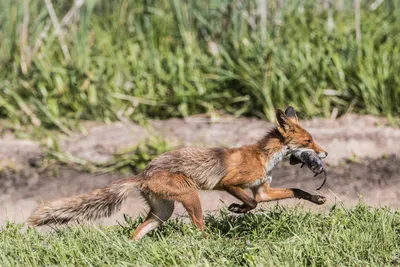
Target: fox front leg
x=248 y=202
x=265 y=194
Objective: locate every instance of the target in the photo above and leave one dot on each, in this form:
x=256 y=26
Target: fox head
x=295 y=137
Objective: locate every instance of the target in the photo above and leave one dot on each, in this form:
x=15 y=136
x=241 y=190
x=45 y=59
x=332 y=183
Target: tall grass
x=159 y=59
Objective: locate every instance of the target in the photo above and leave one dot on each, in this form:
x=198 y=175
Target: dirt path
x=362 y=138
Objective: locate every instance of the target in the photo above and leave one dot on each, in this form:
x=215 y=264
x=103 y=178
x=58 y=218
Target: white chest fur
x=275 y=159
x=267 y=178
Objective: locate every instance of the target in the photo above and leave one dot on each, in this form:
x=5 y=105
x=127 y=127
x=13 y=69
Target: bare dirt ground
x=363 y=161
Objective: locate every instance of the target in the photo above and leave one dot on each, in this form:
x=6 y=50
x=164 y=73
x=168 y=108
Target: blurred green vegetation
x=159 y=59
x=131 y=159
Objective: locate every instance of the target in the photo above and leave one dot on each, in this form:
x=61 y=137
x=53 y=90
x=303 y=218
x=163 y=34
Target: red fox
x=178 y=175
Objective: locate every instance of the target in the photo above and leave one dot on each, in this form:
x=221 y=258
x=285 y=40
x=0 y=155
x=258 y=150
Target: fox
x=178 y=175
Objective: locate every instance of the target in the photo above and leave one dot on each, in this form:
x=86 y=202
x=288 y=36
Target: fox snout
x=320 y=152
x=316 y=149
x=323 y=154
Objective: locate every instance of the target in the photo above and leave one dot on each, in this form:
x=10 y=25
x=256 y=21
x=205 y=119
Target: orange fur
x=178 y=175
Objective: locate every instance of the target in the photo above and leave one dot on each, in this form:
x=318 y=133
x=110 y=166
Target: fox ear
x=284 y=122
x=291 y=114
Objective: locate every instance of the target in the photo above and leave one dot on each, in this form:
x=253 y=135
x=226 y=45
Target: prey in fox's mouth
x=312 y=160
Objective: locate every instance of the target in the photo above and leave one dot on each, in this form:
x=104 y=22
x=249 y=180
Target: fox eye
x=309 y=140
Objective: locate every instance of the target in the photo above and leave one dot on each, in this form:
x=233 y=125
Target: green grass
x=160 y=59
x=279 y=237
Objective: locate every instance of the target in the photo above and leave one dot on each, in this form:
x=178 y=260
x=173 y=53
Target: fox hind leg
x=191 y=202
x=168 y=188
x=160 y=211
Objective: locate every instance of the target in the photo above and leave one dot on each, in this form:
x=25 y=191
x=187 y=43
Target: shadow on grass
x=223 y=224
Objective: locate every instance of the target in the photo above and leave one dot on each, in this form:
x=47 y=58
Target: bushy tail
x=96 y=204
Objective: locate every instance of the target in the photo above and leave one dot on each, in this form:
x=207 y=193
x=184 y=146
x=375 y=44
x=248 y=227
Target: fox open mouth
x=311 y=159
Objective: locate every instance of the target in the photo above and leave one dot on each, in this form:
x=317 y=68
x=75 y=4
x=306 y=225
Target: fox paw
x=318 y=199
x=238 y=208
